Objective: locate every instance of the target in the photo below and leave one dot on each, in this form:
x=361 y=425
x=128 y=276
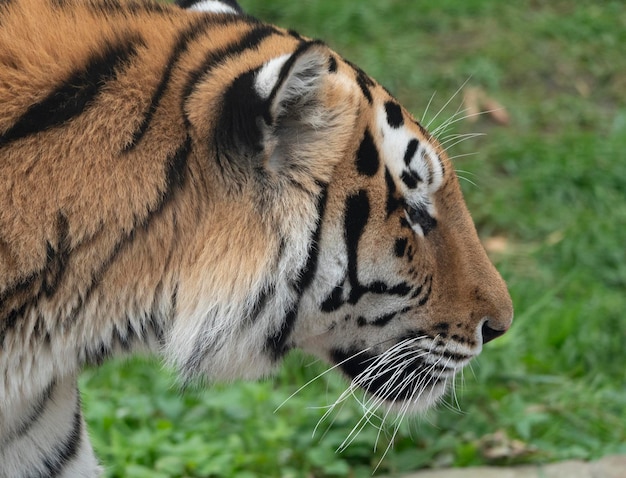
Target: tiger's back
x=221 y=191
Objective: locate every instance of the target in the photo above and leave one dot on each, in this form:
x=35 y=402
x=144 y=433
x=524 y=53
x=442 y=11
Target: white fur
x=212 y=6
x=425 y=162
x=21 y=457
x=268 y=75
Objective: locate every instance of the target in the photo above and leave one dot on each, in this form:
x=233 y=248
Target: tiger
x=188 y=181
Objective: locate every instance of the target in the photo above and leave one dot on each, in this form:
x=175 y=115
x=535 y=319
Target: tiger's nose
x=496 y=324
x=495 y=308
x=489 y=332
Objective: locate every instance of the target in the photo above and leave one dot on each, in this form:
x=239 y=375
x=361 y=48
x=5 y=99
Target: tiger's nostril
x=489 y=334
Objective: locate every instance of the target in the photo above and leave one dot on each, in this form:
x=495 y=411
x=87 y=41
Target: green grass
x=550 y=186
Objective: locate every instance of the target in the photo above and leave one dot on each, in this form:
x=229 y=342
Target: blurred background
x=530 y=98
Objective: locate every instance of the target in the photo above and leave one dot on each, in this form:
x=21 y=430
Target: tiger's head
x=366 y=255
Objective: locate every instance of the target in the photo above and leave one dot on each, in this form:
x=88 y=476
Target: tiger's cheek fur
x=408 y=296
x=363 y=290
x=269 y=213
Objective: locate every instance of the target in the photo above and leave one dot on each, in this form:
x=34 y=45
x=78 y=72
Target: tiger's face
x=354 y=241
x=407 y=296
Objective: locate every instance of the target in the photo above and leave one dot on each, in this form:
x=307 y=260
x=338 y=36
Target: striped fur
x=201 y=185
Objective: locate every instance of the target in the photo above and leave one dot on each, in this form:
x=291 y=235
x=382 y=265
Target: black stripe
x=405 y=224
x=96 y=354
x=205 y=343
x=275 y=343
x=57 y=257
x=310 y=269
x=124 y=335
x=367 y=160
x=420 y=288
x=116 y=7
x=400 y=247
x=175 y=172
x=250 y=40
x=334 y=301
x=400 y=289
x=261 y=302
x=394 y=114
x=240 y=110
x=179 y=49
x=393 y=202
x=10 y=320
x=356 y=217
x=379 y=287
x=174 y=303
x=295 y=34
x=77 y=92
x=419 y=215
x=364 y=82
x=332 y=65
x=428 y=137
x=42 y=282
x=410 y=151
x=426 y=296
x=410 y=179
x=410 y=254
x=383 y=319
x=33 y=416
x=422 y=129
x=66 y=450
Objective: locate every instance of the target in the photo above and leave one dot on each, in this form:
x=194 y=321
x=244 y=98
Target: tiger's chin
x=407 y=383
x=419 y=401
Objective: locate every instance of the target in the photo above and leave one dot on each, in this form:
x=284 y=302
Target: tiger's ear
x=268 y=109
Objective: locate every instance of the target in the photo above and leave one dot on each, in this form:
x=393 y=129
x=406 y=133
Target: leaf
x=170 y=465
x=471 y=101
x=476 y=102
x=500 y=447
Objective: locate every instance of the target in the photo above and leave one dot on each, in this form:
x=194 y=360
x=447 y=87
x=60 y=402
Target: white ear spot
x=267 y=76
x=212 y=6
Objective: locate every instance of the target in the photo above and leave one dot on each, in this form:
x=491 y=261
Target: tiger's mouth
x=414 y=372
